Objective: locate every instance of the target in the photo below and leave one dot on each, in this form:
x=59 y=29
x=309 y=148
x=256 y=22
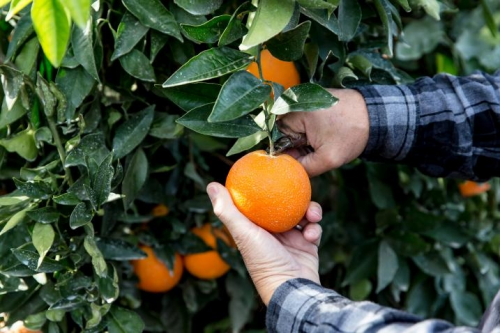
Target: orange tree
x=111 y=108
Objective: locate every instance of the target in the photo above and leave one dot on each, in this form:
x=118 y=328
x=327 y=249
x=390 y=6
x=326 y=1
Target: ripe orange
x=154 y=275
x=272 y=191
x=160 y=210
x=470 y=188
x=273 y=69
x=207 y=265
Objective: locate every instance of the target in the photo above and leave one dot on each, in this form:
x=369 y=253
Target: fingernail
x=212 y=191
x=317 y=211
x=312 y=233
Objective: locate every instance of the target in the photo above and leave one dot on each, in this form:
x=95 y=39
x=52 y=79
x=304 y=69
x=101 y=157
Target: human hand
x=271 y=259
x=338 y=134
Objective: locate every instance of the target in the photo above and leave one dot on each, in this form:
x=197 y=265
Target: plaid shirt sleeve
x=446 y=126
x=300 y=305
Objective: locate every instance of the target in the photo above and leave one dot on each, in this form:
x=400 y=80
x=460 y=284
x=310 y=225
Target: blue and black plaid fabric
x=300 y=305
x=445 y=126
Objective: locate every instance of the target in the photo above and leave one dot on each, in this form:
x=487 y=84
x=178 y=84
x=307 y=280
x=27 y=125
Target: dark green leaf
x=80 y=216
x=432 y=264
x=35 y=189
x=121 y=320
x=44 y=215
x=488 y=17
x=27 y=58
x=407 y=243
x=196 y=120
x=129 y=33
x=242 y=300
x=158 y=41
x=363 y=263
x=135 y=176
x=137 y=64
x=289 y=46
x=101 y=184
x=467 y=307
x=24 y=30
x=385 y=15
x=164 y=126
x=154 y=15
x=304 y=97
x=342 y=74
x=209 y=64
x=68 y=304
x=75 y=84
x=208 y=32
x=349 y=18
x=323 y=18
x=91 y=145
x=320 y=4
x=67 y=199
x=108 y=285
x=7 y=116
x=82 y=42
x=191 y=96
x=235 y=29
x=241 y=94
x=117 y=249
x=199 y=7
x=271 y=18
x=387 y=265
x=131 y=133
x=30 y=259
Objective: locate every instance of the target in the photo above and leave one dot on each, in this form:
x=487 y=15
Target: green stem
x=259 y=51
x=60 y=148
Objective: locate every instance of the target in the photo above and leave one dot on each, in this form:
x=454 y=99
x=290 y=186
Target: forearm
x=302 y=306
x=446 y=126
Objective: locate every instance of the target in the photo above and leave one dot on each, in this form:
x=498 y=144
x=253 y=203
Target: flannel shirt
x=445 y=126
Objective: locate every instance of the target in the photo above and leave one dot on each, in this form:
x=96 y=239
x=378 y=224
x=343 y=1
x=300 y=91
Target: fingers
x=312 y=233
x=314 y=213
x=314 y=163
x=226 y=211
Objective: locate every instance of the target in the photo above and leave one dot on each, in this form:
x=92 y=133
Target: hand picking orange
x=207 y=265
x=154 y=276
x=271 y=191
x=275 y=70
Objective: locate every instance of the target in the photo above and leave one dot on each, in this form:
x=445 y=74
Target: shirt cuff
x=293 y=301
x=393 y=114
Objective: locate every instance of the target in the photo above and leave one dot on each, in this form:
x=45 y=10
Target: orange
x=272 y=191
x=160 y=210
x=18 y=327
x=154 y=276
x=273 y=69
x=470 y=188
x=207 y=265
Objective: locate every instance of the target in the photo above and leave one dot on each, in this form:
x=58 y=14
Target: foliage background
x=391 y=234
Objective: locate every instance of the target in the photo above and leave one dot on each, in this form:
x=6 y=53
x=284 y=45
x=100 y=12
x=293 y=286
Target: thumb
x=314 y=163
x=226 y=211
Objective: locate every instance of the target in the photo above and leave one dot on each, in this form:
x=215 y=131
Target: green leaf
x=52 y=25
x=407 y=243
x=135 y=176
x=121 y=320
x=342 y=74
x=271 y=18
x=14 y=221
x=191 y=96
x=24 y=30
x=247 y=142
x=31 y=260
x=240 y=290
x=360 y=290
x=101 y=183
x=158 y=41
x=349 y=19
x=131 y=133
x=421 y=37
x=129 y=33
x=7 y=116
x=75 y=84
x=22 y=143
x=405 y=5
x=91 y=145
x=66 y=199
x=489 y=18
x=12 y=83
x=199 y=7
x=44 y=215
x=164 y=126
x=467 y=307
x=361 y=63
x=118 y=249
x=289 y=45
x=431 y=7
x=137 y=64
x=387 y=265
x=34 y=189
x=43 y=238
x=208 y=32
x=319 y=4
x=15 y=7
x=209 y=64
x=384 y=12
x=196 y=120
x=363 y=263
x=235 y=29
x=325 y=19
x=241 y=94
x=80 y=216
x=304 y=97
x=79 y=10
x=11 y=201
x=154 y=15
x=27 y=58
x=108 y=286
x=432 y=264
x=97 y=259
x=82 y=42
